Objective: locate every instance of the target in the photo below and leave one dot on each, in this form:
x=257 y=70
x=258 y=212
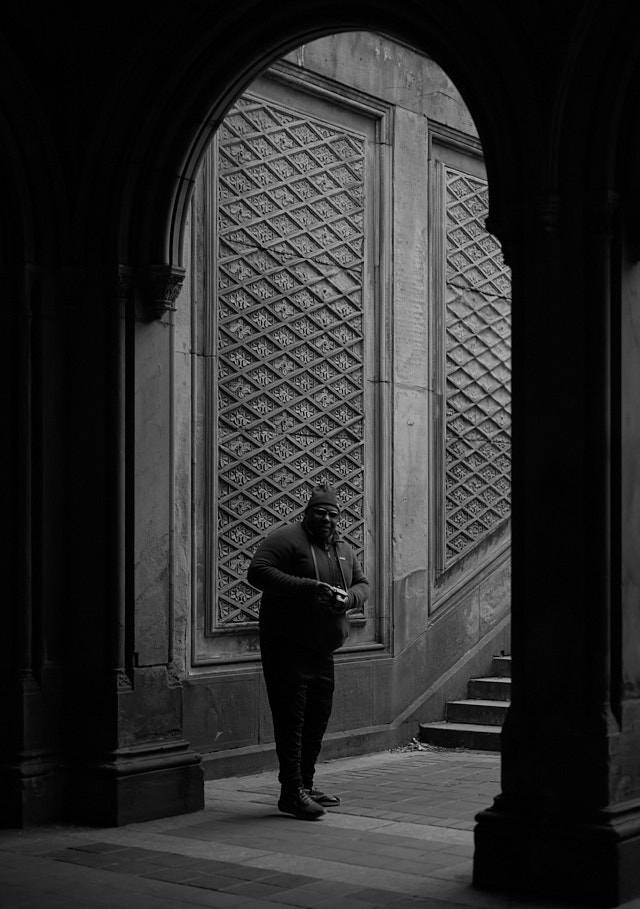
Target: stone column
x=567 y=822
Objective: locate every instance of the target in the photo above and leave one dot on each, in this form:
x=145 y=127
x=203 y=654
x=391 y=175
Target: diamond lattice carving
x=289 y=331
x=474 y=258
x=478 y=371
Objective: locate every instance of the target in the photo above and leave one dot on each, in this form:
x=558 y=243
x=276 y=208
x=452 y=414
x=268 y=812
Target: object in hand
x=340 y=597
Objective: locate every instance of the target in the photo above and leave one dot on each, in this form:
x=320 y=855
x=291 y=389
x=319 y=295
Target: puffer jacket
x=284 y=570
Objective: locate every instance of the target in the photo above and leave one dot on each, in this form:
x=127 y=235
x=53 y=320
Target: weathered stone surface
x=382 y=68
x=151 y=709
x=222 y=713
x=410 y=252
x=410 y=471
x=411 y=593
x=353 y=704
x=494 y=597
x=153 y=479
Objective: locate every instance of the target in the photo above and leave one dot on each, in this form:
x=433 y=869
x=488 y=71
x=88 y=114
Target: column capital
x=163 y=284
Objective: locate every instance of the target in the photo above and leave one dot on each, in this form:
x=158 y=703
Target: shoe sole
x=300 y=816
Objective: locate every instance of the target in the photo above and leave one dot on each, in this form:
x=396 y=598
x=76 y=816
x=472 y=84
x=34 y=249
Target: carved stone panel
x=289 y=334
x=478 y=371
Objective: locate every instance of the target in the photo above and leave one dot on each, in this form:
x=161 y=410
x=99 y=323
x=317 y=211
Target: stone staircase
x=475 y=722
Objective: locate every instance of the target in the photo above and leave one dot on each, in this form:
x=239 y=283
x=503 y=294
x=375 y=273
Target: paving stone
x=176 y=875
x=98 y=847
x=303 y=900
x=136 y=867
x=348 y=902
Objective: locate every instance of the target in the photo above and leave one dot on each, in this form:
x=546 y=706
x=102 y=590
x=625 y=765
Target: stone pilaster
x=136 y=765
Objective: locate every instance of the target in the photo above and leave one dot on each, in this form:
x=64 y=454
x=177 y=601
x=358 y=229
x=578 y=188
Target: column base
x=32 y=792
x=139 y=784
x=592 y=859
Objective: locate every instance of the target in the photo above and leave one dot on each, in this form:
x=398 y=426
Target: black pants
x=300 y=685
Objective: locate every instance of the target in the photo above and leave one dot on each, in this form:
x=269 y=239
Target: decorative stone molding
x=290 y=336
x=27 y=682
x=164 y=283
x=121 y=680
x=474 y=301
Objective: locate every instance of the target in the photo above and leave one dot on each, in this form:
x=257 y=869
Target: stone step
x=475 y=722
x=492 y=688
x=501 y=665
x=473 y=736
x=477 y=711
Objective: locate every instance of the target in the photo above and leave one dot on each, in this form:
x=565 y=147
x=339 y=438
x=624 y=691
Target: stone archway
x=570 y=778
x=291 y=274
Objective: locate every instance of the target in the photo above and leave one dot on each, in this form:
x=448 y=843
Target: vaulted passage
x=218 y=289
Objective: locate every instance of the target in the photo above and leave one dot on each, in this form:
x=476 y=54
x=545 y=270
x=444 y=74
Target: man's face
x=322 y=520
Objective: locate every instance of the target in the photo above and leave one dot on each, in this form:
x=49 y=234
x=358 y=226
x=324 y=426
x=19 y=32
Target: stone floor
x=402 y=838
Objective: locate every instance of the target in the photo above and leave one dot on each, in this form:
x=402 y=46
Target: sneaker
x=300 y=805
x=321 y=798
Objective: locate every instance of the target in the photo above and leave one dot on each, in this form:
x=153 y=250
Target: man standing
x=309 y=578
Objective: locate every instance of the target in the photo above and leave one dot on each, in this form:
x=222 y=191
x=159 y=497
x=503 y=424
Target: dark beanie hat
x=323 y=495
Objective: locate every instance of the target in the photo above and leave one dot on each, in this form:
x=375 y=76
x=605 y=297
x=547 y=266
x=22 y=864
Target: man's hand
x=324 y=593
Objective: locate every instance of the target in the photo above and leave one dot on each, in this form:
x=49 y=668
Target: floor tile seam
x=260 y=888
x=415 y=844
x=416 y=850
x=403 y=829
x=390 y=861
x=324 y=869
x=186 y=846
x=232 y=799
x=333 y=887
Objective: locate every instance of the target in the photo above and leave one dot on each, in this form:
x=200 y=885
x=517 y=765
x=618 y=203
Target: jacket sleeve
x=359 y=587
x=270 y=568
